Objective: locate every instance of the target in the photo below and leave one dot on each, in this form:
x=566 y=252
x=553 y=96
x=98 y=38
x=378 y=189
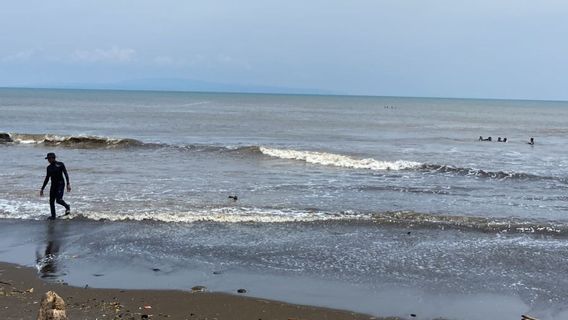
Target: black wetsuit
x=55 y=172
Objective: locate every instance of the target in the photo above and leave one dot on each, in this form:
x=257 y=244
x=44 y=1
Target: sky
x=513 y=49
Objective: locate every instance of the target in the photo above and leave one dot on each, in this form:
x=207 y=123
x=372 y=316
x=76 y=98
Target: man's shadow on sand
x=48 y=262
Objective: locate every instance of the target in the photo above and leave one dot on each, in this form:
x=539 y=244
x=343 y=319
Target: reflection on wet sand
x=47 y=263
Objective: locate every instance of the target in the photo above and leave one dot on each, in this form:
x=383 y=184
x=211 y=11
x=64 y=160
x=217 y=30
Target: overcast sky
x=445 y=48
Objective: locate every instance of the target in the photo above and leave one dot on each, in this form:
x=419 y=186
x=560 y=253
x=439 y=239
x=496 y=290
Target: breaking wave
x=226 y=215
x=337 y=160
x=29 y=210
x=33 y=211
x=311 y=157
x=498 y=175
x=68 y=141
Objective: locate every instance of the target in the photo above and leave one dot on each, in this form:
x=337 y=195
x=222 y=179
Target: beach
x=21 y=291
x=383 y=206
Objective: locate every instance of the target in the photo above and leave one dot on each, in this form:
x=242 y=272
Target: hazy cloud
x=228 y=60
x=164 y=60
x=114 y=54
x=169 y=61
x=21 y=56
x=203 y=61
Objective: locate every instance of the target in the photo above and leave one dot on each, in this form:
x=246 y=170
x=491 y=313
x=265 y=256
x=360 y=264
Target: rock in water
x=52 y=307
x=5 y=137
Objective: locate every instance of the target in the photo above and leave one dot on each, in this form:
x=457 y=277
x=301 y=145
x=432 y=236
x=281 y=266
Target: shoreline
x=21 y=291
x=83 y=253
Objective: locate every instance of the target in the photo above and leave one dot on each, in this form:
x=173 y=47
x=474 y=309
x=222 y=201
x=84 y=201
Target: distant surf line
x=306 y=156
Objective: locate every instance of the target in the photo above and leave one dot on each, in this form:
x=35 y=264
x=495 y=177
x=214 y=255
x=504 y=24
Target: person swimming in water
x=55 y=171
x=531 y=142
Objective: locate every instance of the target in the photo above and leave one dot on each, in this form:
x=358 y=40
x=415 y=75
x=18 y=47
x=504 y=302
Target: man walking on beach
x=55 y=171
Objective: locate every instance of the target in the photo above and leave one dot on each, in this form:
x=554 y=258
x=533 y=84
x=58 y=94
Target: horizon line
x=281 y=93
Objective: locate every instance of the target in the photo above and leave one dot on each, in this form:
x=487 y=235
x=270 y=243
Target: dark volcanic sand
x=17 y=302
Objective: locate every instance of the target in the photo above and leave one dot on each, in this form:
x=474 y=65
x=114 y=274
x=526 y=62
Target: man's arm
x=44 y=183
x=67 y=178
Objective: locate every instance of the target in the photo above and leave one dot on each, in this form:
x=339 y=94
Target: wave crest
x=32 y=211
x=500 y=175
x=337 y=160
x=496 y=175
x=312 y=157
x=471 y=223
x=409 y=220
x=72 y=141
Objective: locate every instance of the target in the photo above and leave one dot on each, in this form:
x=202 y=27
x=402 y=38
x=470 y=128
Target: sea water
x=391 y=201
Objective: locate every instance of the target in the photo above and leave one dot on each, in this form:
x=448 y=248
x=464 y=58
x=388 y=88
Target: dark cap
x=50 y=155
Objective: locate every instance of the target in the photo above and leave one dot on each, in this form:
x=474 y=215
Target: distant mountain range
x=173 y=84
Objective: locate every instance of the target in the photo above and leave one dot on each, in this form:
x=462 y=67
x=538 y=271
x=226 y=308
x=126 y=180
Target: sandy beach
x=21 y=291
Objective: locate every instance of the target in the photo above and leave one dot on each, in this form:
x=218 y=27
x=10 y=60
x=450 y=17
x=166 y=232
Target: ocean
x=384 y=205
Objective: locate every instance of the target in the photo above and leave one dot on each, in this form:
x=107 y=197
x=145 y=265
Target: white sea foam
x=21 y=141
x=337 y=160
x=197 y=103
x=39 y=211
x=22 y=209
x=35 y=138
x=230 y=215
x=29 y=210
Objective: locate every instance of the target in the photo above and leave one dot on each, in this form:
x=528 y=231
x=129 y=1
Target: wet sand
x=130 y=256
x=21 y=291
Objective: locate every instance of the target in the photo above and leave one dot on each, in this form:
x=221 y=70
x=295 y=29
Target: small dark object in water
x=198 y=289
x=413 y=315
x=144 y=316
x=408 y=233
x=155 y=269
x=242 y=291
x=98 y=274
x=217 y=272
x=235 y=198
